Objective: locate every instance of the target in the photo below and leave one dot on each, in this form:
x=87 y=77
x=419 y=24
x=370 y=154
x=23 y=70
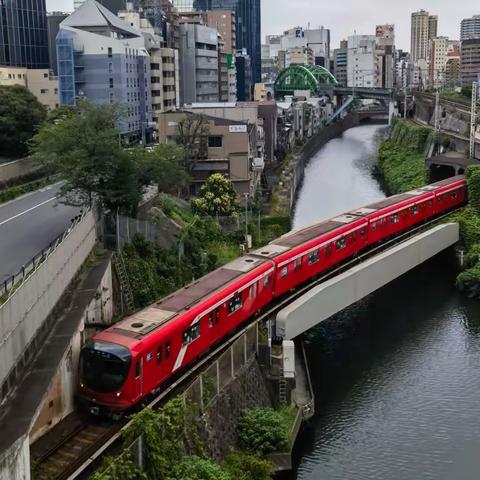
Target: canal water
x=396 y=376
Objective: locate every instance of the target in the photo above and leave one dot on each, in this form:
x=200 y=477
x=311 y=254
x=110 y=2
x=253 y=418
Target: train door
x=138 y=378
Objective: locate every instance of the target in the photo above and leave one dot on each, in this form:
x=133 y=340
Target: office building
x=318 y=40
x=244 y=76
x=385 y=51
x=340 y=60
x=224 y=22
x=438 y=61
x=423 y=29
x=470 y=28
x=470 y=61
x=362 y=61
x=248 y=24
x=104 y=60
x=23 y=34
x=299 y=56
x=198 y=64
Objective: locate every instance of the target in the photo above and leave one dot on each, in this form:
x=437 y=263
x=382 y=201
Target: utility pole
x=437 y=117
x=246 y=220
x=405 y=94
x=473 y=120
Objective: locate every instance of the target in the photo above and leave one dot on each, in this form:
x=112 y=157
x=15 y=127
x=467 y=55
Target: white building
x=318 y=40
x=362 y=62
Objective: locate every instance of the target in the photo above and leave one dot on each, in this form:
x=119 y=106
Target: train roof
x=152 y=317
x=443 y=183
x=299 y=237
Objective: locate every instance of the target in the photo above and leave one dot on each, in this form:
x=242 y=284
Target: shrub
x=195 y=468
x=246 y=466
x=263 y=430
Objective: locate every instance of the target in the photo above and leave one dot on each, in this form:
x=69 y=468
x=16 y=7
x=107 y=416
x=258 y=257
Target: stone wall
x=220 y=419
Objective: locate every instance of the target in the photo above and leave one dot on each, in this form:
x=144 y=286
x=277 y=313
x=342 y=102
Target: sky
x=343 y=17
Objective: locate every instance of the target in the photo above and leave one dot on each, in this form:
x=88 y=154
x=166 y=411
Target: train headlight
x=118 y=394
x=81 y=385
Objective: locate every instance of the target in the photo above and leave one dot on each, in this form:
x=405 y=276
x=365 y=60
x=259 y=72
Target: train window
x=395 y=218
x=138 y=369
x=191 y=334
x=414 y=210
x=159 y=355
x=313 y=257
x=297 y=264
x=454 y=194
x=235 y=304
x=329 y=249
x=266 y=282
x=284 y=272
x=167 y=350
x=341 y=243
x=374 y=227
x=253 y=290
x=430 y=204
x=362 y=232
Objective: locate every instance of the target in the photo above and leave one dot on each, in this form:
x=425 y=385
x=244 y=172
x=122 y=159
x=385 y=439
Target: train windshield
x=104 y=366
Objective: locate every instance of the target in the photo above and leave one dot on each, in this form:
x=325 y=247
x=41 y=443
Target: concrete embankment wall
x=308 y=151
x=24 y=315
x=17 y=169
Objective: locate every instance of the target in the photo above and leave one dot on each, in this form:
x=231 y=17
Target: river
x=396 y=376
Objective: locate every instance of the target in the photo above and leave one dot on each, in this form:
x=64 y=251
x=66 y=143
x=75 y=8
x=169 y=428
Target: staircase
x=128 y=305
x=282 y=388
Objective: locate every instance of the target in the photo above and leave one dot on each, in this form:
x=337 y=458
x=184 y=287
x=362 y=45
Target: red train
x=134 y=358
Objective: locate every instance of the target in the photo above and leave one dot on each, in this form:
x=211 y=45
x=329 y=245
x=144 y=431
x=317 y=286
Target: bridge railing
x=31 y=295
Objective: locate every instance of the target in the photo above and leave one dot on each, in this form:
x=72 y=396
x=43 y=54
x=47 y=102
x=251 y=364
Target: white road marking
x=27 y=211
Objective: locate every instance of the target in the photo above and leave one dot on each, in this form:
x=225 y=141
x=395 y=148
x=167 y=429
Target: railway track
x=77 y=455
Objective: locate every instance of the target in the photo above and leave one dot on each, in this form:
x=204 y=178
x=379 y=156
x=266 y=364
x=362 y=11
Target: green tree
x=473 y=179
x=217 y=197
x=21 y=115
x=247 y=466
x=263 y=430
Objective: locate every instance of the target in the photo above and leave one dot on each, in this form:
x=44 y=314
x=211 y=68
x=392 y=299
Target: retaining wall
x=23 y=316
x=17 y=169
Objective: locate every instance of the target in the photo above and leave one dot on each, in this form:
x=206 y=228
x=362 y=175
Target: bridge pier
x=338 y=293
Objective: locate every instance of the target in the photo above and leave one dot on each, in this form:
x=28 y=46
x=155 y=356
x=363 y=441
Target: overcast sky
x=342 y=17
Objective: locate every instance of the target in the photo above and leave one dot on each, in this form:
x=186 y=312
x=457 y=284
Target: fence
x=202 y=391
x=31 y=295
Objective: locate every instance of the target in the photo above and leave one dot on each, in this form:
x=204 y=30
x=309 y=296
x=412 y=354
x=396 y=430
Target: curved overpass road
x=28 y=224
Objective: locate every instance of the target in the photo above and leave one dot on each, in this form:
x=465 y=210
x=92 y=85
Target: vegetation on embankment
x=401 y=158
x=173 y=449
x=17 y=191
x=469 y=220
x=204 y=243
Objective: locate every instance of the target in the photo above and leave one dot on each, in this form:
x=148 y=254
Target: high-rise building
x=362 y=61
x=104 y=60
x=470 y=28
x=424 y=28
x=244 y=76
x=386 y=54
x=438 y=61
x=470 y=61
x=248 y=24
x=198 y=64
x=224 y=22
x=113 y=5
x=23 y=34
x=340 y=59
x=54 y=19
x=318 y=40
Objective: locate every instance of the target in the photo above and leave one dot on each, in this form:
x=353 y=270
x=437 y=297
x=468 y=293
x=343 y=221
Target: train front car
x=105 y=369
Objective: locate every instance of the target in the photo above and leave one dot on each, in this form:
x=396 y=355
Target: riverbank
x=401 y=165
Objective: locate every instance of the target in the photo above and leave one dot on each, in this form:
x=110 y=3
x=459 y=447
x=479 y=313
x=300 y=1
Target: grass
x=14 y=192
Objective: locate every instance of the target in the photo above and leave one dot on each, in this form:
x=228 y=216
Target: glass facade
x=248 y=24
x=66 y=68
x=23 y=34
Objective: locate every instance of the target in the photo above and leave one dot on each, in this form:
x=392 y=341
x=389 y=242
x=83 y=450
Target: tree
x=196 y=468
x=161 y=166
x=21 y=115
x=473 y=181
x=192 y=134
x=217 y=197
x=82 y=147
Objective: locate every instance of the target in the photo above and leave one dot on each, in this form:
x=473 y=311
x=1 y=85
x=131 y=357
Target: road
x=28 y=224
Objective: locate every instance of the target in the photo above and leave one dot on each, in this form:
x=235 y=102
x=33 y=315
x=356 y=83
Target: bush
x=247 y=466
x=195 y=468
x=473 y=176
x=263 y=430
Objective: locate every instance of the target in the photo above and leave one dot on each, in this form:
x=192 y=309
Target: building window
x=215 y=142
x=44 y=90
x=111 y=98
x=111 y=82
x=110 y=52
x=45 y=75
x=110 y=67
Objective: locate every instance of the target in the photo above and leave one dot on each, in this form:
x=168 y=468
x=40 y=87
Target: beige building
x=229 y=149
x=438 y=61
x=423 y=29
x=39 y=81
x=299 y=56
x=224 y=22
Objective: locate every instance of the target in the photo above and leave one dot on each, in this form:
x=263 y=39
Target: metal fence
x=127 y=228
x=10 y=284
